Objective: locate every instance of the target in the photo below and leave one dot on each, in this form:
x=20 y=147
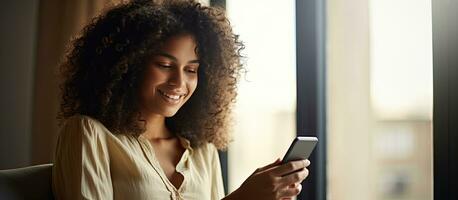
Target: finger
x=307 y=162
x=290 y=192
x=293 y=185
x=289 y=167
x=276 y=162
x=296 y=177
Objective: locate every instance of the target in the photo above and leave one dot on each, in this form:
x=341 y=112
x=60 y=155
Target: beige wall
x=349 y=115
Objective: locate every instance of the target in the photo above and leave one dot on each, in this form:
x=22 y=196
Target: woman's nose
x=176 y=79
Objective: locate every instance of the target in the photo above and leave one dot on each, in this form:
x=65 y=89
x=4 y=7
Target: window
x=266 y=105
x=379 y=100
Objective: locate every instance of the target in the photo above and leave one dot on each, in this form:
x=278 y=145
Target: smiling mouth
x=172 y=98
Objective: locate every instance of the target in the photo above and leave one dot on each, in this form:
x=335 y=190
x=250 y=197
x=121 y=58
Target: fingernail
x=307 y=162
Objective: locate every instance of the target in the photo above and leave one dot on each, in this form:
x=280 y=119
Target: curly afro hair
x=104 y=66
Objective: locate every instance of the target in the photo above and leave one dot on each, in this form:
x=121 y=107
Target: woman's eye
x=192 y=70
x=164 y=65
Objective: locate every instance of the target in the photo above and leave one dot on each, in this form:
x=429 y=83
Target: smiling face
x=170 y=77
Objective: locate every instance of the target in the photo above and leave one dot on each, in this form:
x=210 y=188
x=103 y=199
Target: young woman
x=146 y=99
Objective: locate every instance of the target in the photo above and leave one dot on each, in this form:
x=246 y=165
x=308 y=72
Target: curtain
x=58 y=22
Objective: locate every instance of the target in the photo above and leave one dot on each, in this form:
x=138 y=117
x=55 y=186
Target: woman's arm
x=81 y=167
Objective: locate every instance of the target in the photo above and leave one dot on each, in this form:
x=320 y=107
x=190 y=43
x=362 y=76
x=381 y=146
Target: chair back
x=32 y=182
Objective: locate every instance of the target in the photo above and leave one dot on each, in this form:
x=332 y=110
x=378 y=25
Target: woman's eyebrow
x=174 y=58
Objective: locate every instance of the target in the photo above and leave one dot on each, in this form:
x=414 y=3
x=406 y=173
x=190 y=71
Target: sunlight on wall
x=265 y=109
x=401 y=59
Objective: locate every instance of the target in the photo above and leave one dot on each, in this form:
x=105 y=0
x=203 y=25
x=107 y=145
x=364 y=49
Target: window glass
x=266 y=106
x=379 y=99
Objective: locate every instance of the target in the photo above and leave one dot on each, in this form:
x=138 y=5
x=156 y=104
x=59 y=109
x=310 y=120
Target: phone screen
x=300 y=149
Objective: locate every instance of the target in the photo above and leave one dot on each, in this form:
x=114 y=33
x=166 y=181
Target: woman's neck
x=155 y=128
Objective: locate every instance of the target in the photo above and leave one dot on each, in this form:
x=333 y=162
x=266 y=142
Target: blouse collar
x=185 y=143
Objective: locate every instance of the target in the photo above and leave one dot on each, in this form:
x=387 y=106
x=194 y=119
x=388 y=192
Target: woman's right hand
x=274 y=181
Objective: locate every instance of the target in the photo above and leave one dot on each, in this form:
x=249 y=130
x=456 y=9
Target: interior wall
x=59 y=21
x=18 y=19
x=33 y=40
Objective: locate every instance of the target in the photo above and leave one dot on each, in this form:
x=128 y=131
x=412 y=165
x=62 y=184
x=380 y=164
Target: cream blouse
x=93 y=163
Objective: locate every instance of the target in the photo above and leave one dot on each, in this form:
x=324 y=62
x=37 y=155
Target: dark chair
x=32 y=182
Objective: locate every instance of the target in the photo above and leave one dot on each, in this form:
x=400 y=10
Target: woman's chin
x=163 y=110
x=169 y=113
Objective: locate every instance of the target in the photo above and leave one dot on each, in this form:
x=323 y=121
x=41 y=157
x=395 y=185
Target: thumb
x=276 y=162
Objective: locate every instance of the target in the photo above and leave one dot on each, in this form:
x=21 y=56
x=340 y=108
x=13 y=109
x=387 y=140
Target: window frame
x=311 y=90
x=445 y=98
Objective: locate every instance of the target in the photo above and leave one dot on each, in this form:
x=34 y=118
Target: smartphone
x=300 y=149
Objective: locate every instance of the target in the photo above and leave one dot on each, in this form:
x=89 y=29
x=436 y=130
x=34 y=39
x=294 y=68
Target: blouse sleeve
x=82 y=166
x=217 y=190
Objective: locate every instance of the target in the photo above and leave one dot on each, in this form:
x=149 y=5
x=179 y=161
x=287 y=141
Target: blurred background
x=378 y=56
x=379 y=95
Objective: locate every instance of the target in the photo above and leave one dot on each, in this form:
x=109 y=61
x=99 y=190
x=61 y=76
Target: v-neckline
x=174 y=175
x=154 y=162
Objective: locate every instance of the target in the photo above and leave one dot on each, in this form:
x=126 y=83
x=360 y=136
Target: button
x=177 y=194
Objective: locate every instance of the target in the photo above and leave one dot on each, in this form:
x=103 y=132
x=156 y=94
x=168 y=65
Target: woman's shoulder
x=209 y=147
x=81 y=119
x=82 y=124
x=206 y=150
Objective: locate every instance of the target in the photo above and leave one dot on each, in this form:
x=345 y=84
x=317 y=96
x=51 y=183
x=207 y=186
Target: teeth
x=174 y=97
